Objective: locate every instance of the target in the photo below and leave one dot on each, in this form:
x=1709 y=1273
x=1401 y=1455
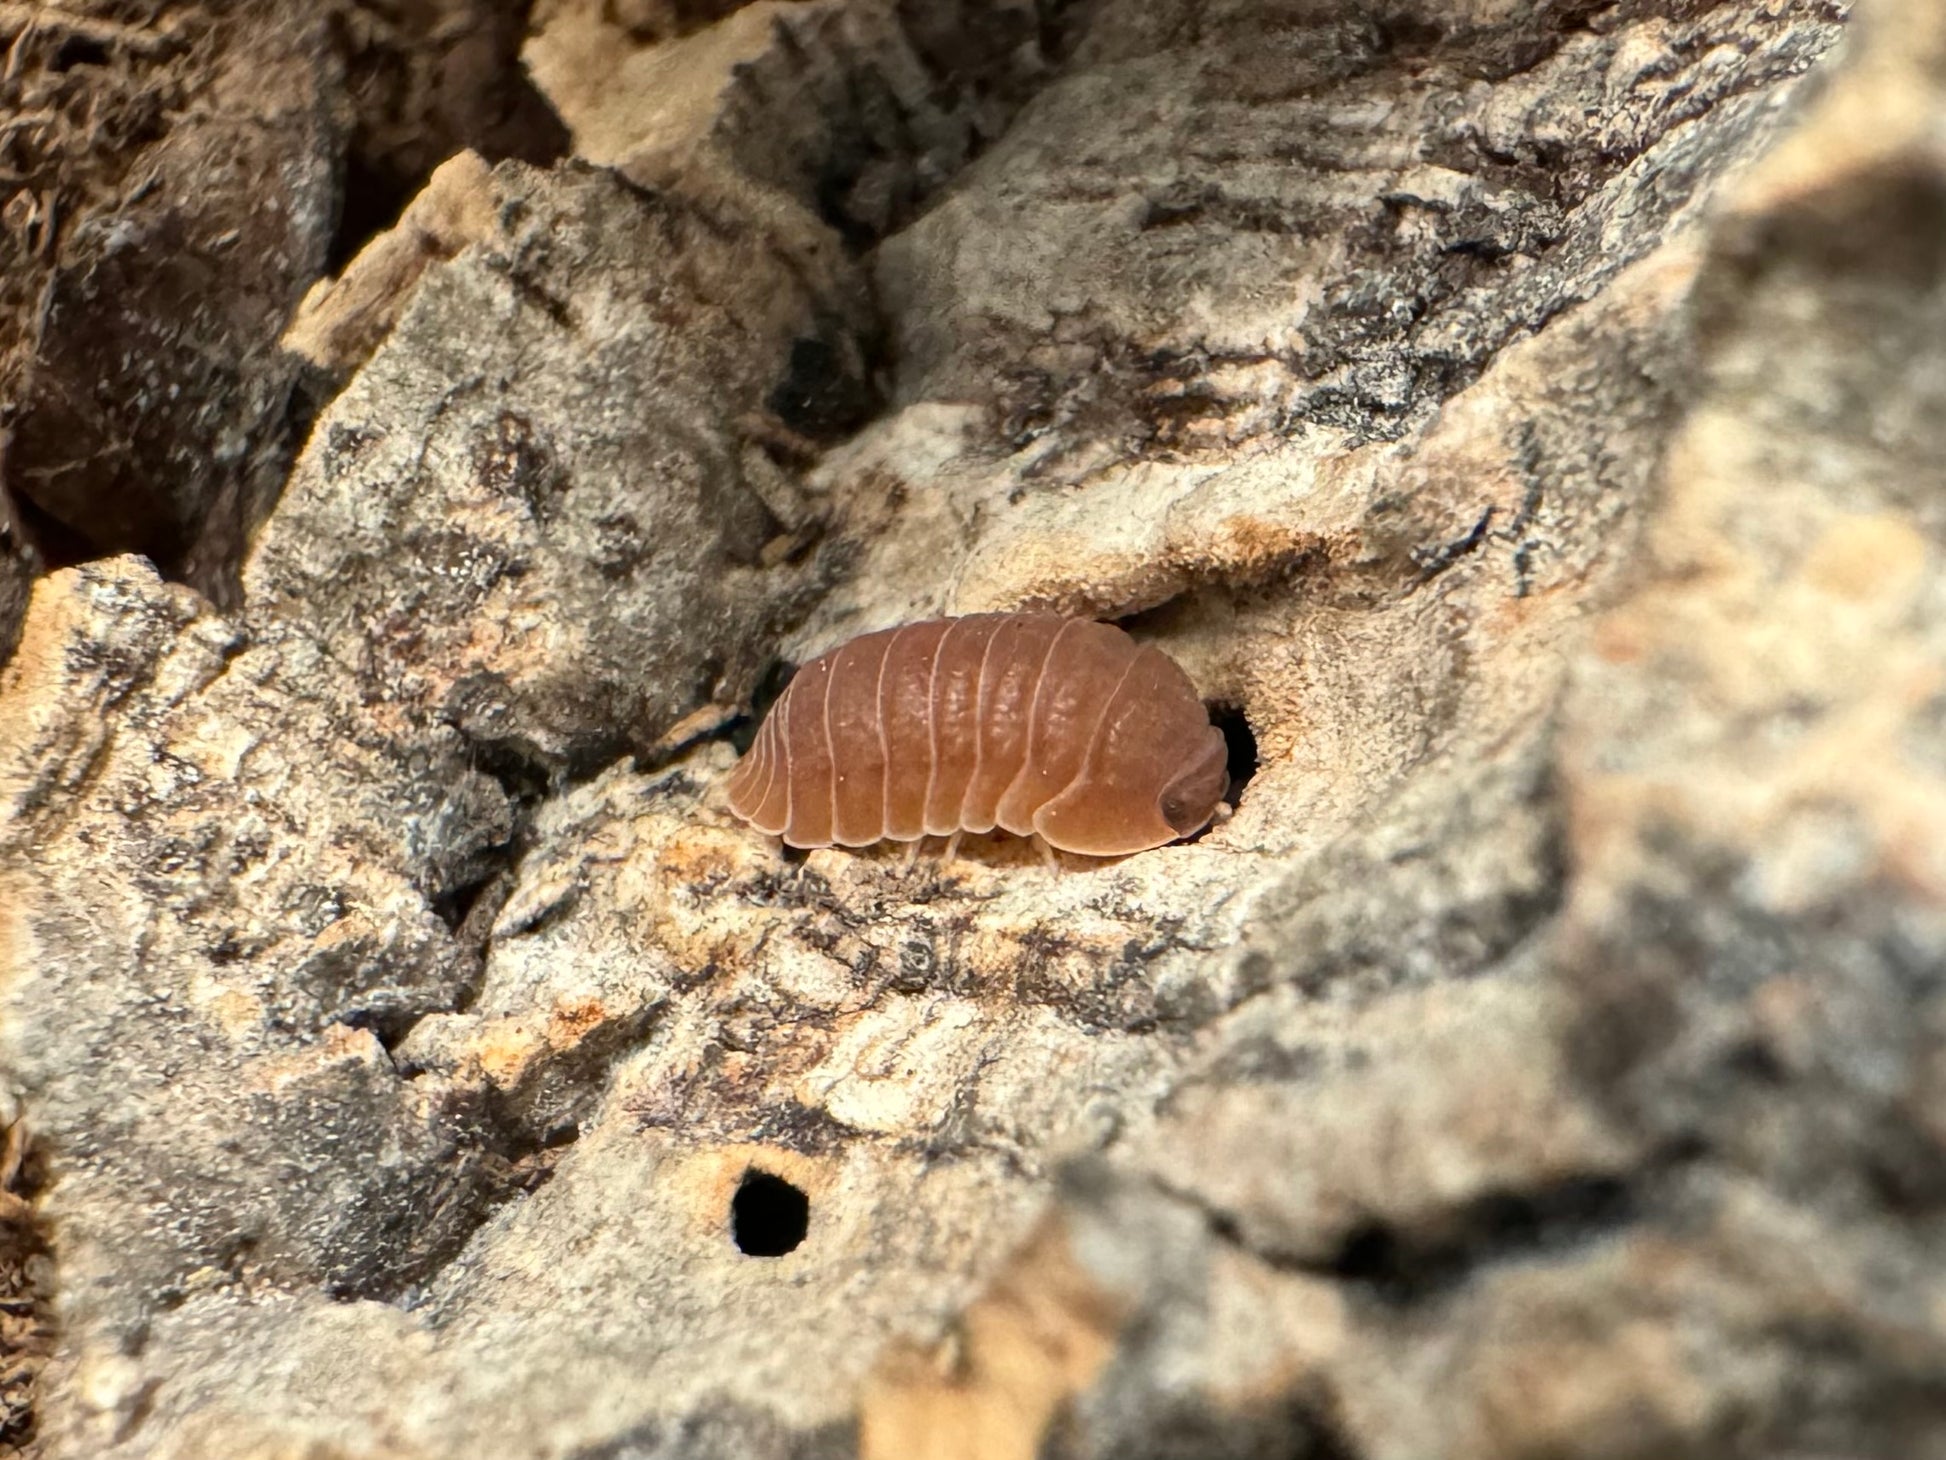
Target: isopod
x=1037 y=724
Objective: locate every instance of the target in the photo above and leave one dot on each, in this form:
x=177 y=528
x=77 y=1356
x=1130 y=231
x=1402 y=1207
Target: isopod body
x=1030 y=722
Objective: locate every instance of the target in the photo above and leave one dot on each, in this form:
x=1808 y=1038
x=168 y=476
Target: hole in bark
x=372 y=201
x=59 y=545
x=770 y=685
x=79 y=50
x=456 y=904
x=822 y=395
x=768 y=1216
x=1369 y=1253
x=1242 y=742
x=390 y=1026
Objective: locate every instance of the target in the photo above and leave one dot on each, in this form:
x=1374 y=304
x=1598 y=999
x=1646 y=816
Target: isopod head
x=1156 y=773
x=1114 y=816
x=1188 y=802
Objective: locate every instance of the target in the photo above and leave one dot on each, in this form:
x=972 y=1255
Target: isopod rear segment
x=1032 y=723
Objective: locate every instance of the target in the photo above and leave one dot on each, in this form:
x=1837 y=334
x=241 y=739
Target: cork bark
x=1523 y=422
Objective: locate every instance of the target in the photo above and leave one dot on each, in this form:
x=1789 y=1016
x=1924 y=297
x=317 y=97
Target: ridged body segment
x=955 y=706
x=807 y=755
x=1029 y=722
x=905 y=709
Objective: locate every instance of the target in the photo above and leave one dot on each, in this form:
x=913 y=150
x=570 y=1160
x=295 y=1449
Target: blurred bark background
x=429 y=429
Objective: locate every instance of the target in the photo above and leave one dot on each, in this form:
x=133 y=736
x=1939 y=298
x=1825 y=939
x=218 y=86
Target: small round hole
x=768 y=1216
x=1238 y=736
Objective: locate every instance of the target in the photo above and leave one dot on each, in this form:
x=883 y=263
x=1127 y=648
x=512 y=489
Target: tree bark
x=1523 y=422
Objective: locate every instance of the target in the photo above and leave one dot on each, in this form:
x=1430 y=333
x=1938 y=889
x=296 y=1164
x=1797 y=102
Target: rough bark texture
x=171 y=192
x=1526 y=420
x=175 y=177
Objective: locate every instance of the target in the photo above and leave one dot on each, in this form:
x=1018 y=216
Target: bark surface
x=1525 y=423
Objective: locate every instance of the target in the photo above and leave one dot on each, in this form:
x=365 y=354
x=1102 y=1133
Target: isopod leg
x=1042 y=846
x=912 y=852
x=952 y=851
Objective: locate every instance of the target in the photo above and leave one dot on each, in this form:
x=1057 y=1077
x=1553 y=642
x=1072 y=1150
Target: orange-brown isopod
x=1030 y=722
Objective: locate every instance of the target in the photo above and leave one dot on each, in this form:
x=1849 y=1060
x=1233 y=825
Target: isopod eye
x=1190 y=800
